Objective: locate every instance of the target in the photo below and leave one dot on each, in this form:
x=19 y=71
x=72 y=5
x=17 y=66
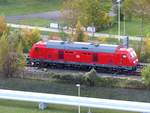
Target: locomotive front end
x=133 y=57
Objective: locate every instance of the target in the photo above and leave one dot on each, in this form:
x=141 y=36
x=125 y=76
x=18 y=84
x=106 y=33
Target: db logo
x=77 y=56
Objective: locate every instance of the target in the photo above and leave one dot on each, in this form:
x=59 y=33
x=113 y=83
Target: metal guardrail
x=67 y=31
x=45 y=99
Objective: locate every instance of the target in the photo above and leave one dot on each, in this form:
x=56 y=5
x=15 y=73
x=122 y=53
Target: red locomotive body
x=83 y=54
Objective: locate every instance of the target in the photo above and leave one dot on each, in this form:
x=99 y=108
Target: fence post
x=43 y=106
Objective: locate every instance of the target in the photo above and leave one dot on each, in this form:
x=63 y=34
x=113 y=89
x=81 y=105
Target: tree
x=93 y=13
x=71 y=11
x=3 y=25
x=127 y=9
x=88 y=12
x=11 y=56
x=79 y=34
x=19 y=36
x=29 y=37
x=140 y=9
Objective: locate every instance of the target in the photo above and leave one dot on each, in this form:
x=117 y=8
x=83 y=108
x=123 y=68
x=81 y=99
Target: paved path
x=55 y=15
x=69 y=32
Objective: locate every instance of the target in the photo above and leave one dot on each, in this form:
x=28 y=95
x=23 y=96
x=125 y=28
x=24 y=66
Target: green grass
x=106 y=4
x=15 y=7
x=58 y=87
x=35 y=22
x=132 y=28
x=7 y=106
x=38 y=22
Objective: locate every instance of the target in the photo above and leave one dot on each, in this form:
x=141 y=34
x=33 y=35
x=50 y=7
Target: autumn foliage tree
x=3 y=25
x=70 y=11
x=93 y=14
x=88 y=12
x=80 y=36
x=11 y=56
x=29 y=37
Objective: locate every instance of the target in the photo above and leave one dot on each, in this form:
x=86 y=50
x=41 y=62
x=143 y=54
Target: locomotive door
x=61 y=54
x=95 y=57
x=111 y=59
x=39 y=52
x=123 y=59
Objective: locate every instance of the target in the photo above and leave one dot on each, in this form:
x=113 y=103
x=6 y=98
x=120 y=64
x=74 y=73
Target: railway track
x=134 y=75
x=104 y=75
x=87 y=68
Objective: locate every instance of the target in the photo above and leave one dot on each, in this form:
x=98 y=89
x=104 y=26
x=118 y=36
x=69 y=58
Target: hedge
x=90 y=78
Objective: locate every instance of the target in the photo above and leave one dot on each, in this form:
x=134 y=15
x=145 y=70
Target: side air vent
x=63 y=42
x=84 y=48
x=96 y=45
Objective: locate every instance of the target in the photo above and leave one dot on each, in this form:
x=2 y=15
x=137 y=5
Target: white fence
x=45 y=99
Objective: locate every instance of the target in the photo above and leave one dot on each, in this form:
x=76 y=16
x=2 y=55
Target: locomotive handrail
x=75 y=101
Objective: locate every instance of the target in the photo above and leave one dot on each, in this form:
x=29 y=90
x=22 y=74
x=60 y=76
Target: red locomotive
x=83 y=54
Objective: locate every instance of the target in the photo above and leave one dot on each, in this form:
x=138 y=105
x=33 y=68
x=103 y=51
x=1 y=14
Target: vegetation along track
x=133 y=75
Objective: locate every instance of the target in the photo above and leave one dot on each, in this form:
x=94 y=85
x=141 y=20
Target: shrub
x=145 y=57
x=146 y=75
x=3 y=25
x=91 y=77
x=64 y=36
x=80 y=36
x=11 y=56
x=108 y=40
x=86 y=79
x=73 y=78
x=54 y=36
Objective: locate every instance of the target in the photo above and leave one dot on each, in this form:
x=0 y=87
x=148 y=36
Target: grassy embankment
x=58 y=87
x=132 y=28
x=17 y=7
x=26 y=107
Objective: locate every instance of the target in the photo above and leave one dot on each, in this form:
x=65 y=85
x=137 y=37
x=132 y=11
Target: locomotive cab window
x=133 y=54
x=37 y=49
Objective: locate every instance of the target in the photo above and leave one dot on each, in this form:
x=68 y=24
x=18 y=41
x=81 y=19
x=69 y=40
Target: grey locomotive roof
x=81 y=46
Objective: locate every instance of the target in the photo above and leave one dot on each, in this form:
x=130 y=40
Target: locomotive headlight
x=32 y=63
x=134 y=62
x=124 y=56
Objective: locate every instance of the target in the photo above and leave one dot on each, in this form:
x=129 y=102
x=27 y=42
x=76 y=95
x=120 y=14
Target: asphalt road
x=54 y=15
